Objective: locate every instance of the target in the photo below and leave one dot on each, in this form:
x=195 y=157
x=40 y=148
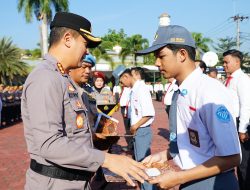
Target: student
x=203 y=137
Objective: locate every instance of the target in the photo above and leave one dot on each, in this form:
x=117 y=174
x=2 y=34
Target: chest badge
x=71 y=88
x=194 y=137
x=78 y=104
x=79 y=121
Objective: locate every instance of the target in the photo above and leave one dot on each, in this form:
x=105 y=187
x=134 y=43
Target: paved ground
x=14 y=159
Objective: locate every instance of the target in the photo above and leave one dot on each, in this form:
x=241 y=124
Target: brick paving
x=14 y=159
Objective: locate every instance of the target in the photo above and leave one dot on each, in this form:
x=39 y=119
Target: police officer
x=56 y=126
x=203 y=136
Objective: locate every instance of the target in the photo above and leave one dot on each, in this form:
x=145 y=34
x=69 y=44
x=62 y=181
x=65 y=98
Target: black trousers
x=126 y=122
x=243 y=170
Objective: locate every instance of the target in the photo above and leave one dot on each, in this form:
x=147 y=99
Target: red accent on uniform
x=192 y=108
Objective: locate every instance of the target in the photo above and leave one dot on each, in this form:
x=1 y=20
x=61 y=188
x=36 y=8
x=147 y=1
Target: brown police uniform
x=57 y=131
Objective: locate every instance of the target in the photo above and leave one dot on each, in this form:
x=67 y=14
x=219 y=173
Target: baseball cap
x=118 y=72
x=171 y=34
x=78 y=23
x=89 y=59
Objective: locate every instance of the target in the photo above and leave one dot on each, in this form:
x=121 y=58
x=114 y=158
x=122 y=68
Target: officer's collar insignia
x=194 y=137
x=223 y=114
x=106 y=108
x=79 y=121
x=60 y=68
x=71 y=88
x=78 y=104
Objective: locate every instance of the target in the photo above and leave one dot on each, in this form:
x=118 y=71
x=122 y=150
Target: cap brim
x=92 y=41
x=150 y=49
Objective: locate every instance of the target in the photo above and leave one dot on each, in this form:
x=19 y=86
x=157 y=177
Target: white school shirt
x=205 y=126
x=116 y=89
x=239 y=87
x=169 y=91
x=141 y=103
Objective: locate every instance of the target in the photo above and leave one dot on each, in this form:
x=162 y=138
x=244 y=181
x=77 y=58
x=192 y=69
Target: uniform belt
x=60 y=172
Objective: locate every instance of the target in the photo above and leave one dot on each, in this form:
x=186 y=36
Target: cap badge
x=79 y=121
x=178 y=40
x=156 y=36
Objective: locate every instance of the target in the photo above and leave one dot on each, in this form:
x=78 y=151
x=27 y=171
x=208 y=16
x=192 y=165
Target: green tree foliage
x=42 y=9
x=201 y=43
x=131 y=45
x=223 y=45
x=11 y=68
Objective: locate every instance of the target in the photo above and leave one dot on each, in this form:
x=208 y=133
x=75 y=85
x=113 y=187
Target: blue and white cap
x=172 y=34
x=118 y=72
x=89 y=59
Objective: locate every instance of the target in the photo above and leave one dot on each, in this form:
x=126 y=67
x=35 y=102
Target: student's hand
x=243 y=137
x=125 y=167
x=133 y=129
x=167 y=180
x=160 y=157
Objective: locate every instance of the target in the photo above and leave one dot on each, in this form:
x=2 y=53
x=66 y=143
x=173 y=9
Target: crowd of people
x=208 y=118
x=10 y=104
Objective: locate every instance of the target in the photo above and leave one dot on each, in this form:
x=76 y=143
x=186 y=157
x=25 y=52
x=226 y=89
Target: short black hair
x=140 y=71
x=126 y=71
x=177 y=47
x=234 y=53
x=202 y=65
x=57 y=33
x=212 y=69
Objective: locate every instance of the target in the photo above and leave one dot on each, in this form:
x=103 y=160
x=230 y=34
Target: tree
x=223 y=45
x=43 y=12
x=113 y=38
x=131 y=45
x=201 y=43
x=10 y=65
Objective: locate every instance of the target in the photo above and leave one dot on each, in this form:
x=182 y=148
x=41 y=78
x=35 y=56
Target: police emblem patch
x=79 y=121
x=194 y=137
x=223 y=114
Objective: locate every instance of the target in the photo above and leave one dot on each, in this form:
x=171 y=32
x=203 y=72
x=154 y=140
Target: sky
x=212 y=18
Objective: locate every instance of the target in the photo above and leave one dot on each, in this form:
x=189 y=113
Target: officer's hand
x=167 y=180
x=125 y=167
x=243 y=137
x=159 y=157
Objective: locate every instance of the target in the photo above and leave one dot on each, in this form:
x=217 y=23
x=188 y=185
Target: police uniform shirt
x=55 y=121
x=205 y=127
x=239 y=87
x=141 y=103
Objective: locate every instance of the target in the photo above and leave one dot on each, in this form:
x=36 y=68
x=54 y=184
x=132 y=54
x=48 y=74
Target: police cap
x=78 y=23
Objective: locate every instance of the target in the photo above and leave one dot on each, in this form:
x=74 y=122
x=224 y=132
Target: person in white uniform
x=238 y=84
x=203 y=137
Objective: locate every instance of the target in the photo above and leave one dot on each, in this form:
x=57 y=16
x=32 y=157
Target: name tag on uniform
x=194 y=137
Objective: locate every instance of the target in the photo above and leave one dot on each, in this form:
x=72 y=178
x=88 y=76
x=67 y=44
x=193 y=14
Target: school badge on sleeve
x=79 y=121
x=223 y=114
x=194 y=137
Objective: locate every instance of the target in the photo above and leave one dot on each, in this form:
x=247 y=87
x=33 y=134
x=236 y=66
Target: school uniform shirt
x=117 y=89
x=169 y=91
x=141 y=103
x=239 y=87
x=205 y=125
